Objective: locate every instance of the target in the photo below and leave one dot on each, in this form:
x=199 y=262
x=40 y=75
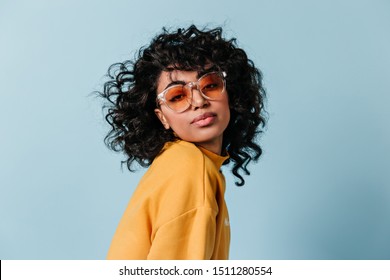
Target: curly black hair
x=131 y=92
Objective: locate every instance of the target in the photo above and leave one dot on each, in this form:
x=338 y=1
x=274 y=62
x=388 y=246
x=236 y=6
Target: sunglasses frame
x=191 y=85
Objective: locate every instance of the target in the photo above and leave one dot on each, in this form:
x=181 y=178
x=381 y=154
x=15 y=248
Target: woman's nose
x=198 y=100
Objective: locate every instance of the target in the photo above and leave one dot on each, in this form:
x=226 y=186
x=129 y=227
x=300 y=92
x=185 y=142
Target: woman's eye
x=177 y=97
x=209 y=87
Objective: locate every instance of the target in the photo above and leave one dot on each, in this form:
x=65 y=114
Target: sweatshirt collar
x=218 y=160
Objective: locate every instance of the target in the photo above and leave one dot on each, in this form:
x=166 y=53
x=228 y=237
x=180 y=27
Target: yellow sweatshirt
x=178 y=210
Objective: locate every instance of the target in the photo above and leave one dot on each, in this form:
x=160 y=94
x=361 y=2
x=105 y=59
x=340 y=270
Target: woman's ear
x=162 y=118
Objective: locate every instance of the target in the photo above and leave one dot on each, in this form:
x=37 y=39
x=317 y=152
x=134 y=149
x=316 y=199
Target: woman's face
x=204 y=122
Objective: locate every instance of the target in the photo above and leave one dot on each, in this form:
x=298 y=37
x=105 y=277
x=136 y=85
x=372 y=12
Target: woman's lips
x=204 y=119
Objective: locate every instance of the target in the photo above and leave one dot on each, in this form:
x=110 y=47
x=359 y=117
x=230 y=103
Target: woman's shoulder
x=178 y=180
x=178 y=163
x=182 y=178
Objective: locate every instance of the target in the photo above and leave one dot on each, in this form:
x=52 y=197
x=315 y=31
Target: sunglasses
x=179 y=97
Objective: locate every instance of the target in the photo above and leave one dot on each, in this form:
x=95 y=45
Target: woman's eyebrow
x=199 y=74
x=175 y=83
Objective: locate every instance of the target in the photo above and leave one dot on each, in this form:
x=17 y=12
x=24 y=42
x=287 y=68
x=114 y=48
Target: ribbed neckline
x=218 y=160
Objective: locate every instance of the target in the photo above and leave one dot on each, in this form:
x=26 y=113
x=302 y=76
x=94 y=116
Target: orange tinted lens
x=211 y=85
x=176 y=97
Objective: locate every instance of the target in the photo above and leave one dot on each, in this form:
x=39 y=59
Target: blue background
x=321 y=189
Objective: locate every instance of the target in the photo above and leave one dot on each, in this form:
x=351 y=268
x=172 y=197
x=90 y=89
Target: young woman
x=189 y=103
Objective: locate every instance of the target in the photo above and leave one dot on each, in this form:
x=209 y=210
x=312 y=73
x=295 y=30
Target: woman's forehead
x=175 y=72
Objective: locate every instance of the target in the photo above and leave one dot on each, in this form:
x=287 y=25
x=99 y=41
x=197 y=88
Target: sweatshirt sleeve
x=189 y=236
